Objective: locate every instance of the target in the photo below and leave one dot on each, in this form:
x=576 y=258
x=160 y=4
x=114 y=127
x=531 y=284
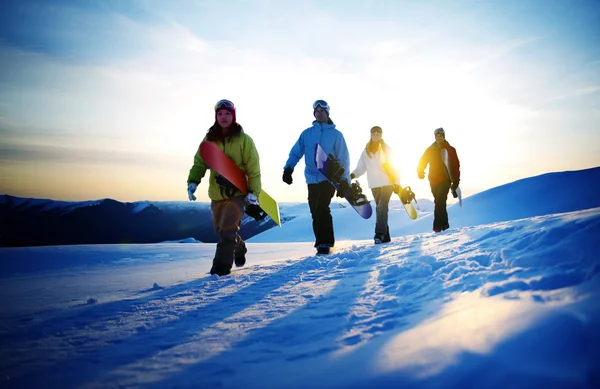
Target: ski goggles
x=224 y=104
x=439 y=131
x=321 y=103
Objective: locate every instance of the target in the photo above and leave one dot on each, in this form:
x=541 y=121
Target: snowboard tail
x=355 y=198
x=218 y=161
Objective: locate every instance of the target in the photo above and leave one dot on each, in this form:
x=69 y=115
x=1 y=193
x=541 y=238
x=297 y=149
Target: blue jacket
x=331 y=140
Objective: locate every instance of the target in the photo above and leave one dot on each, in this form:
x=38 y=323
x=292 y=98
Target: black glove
x=255 y=212
x=287 y=175
x=454 y=185
x=344 y=189
x=397 y=189
x=454 y=194
x=335 y=171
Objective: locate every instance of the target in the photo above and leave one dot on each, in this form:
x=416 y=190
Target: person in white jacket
x=382 y=178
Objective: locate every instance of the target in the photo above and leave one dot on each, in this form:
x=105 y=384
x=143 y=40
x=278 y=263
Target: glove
x=397 y=188
x=454 y=185
x=192 y=186
x=421 y=174
x=352 y=176
x=344 y=189
x=287 y=175
x=251 y=199
x=256 y=212
x=335 y=171
x=454 y=194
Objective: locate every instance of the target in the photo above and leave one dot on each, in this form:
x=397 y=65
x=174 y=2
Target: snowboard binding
x=407 y=195
x=356 y=195
x=225 y=185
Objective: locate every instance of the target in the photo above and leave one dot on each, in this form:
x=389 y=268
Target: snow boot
x=323 y=249
x=240 y=259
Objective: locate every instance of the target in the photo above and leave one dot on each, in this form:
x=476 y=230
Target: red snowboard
x=218 y=161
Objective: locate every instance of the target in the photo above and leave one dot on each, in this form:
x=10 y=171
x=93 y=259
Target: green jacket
x=241 y=149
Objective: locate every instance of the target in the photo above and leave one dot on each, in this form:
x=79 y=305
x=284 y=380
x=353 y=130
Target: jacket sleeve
x=389 y=168
x=455 y=163
x=361 y=166
x=296 y=153
x=251 y=160
x=342 y=154
x=199 y=168
x=423 y=162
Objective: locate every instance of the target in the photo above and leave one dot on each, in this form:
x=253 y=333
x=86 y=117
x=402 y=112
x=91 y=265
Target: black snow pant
x=319 y=199
x=382 y=196
x=440 y=213
x=227 y=217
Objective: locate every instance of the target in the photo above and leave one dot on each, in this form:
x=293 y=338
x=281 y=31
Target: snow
x=508 y=297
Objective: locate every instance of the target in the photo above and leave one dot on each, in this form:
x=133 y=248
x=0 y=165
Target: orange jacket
x=437 y=169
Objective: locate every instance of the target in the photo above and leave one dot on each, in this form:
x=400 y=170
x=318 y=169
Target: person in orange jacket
x=440 y=179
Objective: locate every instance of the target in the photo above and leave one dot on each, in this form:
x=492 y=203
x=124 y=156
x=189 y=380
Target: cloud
x=50 y=154
x=579 y=92
x=491 y=53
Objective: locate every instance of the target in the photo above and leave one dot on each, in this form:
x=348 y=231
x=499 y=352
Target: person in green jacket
x=227 y=202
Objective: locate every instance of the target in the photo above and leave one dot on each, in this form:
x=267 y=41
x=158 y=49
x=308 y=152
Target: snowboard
x=446 y=161
x=218 y=161
x=410 y=208
x=321 y=160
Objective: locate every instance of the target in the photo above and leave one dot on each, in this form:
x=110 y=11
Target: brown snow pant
x=227 y=217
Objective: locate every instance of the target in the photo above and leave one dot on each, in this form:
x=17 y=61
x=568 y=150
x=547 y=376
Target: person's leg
x=240 y=247
x=440 y=196
x=240 y=251
x=376 y=198
x=319 y=198
x=313 y=193
x=227 y=215
x=443 y=195
x=383 y=211
x=379 y=227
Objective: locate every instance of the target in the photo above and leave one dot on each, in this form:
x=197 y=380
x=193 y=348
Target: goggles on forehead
x=226 y=104
x=321 y=103
x=439 y=131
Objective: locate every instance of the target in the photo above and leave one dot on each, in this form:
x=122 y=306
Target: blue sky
x=111 y=98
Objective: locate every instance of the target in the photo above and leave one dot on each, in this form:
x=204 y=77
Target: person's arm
x=342 y=154
x=296 y=153
x=455 y=163
x=361 y=166
x=198 y=169
x=252 y=161
x=423 y=162
x=389 y=168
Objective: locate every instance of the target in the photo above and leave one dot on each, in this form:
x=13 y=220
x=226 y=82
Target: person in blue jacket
x=320 y=191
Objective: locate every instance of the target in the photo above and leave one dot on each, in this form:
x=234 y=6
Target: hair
x=215 y=132
x=381 y=142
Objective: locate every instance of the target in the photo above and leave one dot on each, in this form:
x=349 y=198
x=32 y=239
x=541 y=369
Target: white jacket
x=373 y=166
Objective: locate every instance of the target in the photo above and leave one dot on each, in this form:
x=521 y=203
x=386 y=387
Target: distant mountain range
x=40 y=222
